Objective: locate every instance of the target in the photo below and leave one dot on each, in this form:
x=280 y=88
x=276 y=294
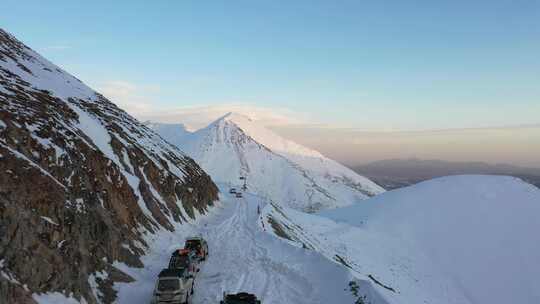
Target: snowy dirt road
x=245 y=258
x=242 y=257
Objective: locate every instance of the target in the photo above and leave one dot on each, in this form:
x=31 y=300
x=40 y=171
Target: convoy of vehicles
x=236 y=193
x=175 y=284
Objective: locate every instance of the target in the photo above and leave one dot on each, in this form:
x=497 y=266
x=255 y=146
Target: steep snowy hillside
x=460 y=239
x=82 y=184
x=278 y=169
x=175 y=134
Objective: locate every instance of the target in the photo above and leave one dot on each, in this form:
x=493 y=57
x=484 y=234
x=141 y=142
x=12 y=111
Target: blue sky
x=363 y=64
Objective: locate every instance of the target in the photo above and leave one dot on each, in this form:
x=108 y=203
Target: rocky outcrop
x=81 y=183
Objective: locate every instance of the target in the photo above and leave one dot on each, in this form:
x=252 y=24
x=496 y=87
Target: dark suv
x=197 y=245
x=240 y=298
x=184 y=259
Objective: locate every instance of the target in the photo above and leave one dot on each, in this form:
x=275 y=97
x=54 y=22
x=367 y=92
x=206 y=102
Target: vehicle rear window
x=168 y=284
x=193 y=244
x=240 y=299
x=179 y=262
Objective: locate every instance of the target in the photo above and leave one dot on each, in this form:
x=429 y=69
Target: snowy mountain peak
x=264 y=136
x=235 y=117
x=229 y=121
x=236 y=120
x=276 y=168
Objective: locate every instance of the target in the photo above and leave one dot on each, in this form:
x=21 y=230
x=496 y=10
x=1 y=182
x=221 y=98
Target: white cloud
x=199 y=116
x=129 y=96
x=140 y=101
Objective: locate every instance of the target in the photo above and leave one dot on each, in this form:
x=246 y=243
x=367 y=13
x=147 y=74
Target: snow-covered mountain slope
x=175 y=134
x=460 y=239
x=278 y=169
x=82 y=183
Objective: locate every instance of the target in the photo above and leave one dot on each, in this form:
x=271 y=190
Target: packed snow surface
x=275 y=168
x=460 y=239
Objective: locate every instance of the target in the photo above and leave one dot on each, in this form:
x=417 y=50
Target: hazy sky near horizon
x=518 y=145
x=515 y=145
x=396 y=65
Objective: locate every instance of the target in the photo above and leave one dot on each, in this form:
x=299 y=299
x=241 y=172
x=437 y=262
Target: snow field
x=459 y=239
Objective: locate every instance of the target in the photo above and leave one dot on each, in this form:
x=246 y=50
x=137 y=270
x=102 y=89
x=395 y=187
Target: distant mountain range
x=396 y=173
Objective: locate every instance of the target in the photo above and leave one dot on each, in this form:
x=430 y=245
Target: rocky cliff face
x=81 y=183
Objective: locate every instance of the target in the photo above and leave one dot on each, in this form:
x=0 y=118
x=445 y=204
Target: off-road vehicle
x=197 y=245
x=240 y=298
x=174 y=286
x=184 y=259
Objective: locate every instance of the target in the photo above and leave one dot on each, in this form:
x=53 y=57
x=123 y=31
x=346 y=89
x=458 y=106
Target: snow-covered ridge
x=39 y=72
x=268 y=138
x=275 y=168
x=459 y=239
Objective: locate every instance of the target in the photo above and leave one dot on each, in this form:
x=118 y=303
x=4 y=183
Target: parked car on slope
x=174 y=286
x=198 y=246
x=232 y=191
x=238 y=194
x=240 y=298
